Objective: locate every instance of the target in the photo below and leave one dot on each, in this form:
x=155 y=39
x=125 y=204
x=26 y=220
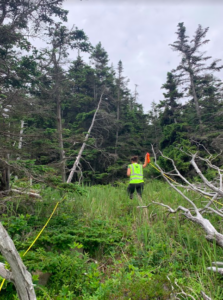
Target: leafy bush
x=133 y=284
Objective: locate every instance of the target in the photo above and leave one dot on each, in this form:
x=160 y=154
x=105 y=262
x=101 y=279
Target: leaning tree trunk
x=18 y=275
x=76 y=163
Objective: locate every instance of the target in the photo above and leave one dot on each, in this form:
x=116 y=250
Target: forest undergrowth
x=100 y=246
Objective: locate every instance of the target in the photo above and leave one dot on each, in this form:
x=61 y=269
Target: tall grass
x=153 y=243
x=171 y=243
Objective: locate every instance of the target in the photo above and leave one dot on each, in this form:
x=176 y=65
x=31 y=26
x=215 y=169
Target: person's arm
x=146 y=162
x=128 y=172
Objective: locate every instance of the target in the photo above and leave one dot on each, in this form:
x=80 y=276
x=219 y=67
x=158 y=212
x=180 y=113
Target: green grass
x=128 y=254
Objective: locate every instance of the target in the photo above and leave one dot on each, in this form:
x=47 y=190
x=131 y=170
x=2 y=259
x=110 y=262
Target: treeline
x=48 y=102
x=190 y=117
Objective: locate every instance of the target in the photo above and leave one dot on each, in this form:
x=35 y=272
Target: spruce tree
x=170 y=104
x=19 y=70
x=193 y=62
x=119 y=85
x=61 y=40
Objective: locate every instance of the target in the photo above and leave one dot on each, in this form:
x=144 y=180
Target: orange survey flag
x=148 y=157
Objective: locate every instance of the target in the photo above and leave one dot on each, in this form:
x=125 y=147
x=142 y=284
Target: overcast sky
x=139 y=32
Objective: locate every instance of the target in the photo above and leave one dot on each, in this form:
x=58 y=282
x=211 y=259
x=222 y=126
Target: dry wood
x=193 y=212
x=18 y=275
x=31 y=194
x=76 y=163
x=205 y=297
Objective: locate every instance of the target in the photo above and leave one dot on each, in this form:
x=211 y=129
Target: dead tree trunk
x=18 y=275
x=21 y=135
x=76 y=163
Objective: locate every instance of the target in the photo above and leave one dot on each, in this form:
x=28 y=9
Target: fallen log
x=31 y=194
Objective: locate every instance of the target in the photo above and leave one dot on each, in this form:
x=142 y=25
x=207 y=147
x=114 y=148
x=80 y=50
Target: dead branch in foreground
x=18 y=275
x=211 y=191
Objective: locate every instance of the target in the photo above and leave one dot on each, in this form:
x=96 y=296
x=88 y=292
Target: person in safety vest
x=135 y=172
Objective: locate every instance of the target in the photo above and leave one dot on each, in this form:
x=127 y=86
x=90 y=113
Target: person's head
x=134 y=159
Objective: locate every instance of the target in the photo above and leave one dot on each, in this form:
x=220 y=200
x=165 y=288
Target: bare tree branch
x=85 y=140
x=210 y=185
x=4 y=273
x=205 y=297
x=193 y=212
x=19 y=275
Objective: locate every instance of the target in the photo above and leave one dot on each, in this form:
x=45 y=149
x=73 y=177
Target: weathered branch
x=76 y=163
x=216 y=270
x=218 y=263
x=182 y=292
x=189 y=185
x=205 y=297
x=19 y=275
x=215 y=210
x=172 y=185
x=207 y=183
x=35 y=195
x=4 y=273
x=194 y=214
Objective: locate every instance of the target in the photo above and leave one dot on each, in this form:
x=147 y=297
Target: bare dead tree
x=18 y=275
x=76 y=163
x=212 y=191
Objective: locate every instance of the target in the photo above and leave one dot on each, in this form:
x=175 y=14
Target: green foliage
x=17 y=226
x=174 y=140
x=71 y=188
x=68 y=269
x=131 y=283
x=173 y=134
x=100 y=246
x=97 y=239
x=211 y=174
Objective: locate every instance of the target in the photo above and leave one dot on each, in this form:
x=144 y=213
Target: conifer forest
x=68 y=128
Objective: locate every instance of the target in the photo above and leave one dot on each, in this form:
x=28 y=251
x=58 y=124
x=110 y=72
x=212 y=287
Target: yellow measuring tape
x=163 y=173
x=3 y=281
x=176 y=182
x=38 y=235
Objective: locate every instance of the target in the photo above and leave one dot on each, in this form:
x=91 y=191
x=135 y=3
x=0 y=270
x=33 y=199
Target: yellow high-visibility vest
x=136 y=173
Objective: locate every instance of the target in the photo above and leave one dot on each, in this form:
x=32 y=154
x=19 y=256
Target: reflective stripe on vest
x=136 y=173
